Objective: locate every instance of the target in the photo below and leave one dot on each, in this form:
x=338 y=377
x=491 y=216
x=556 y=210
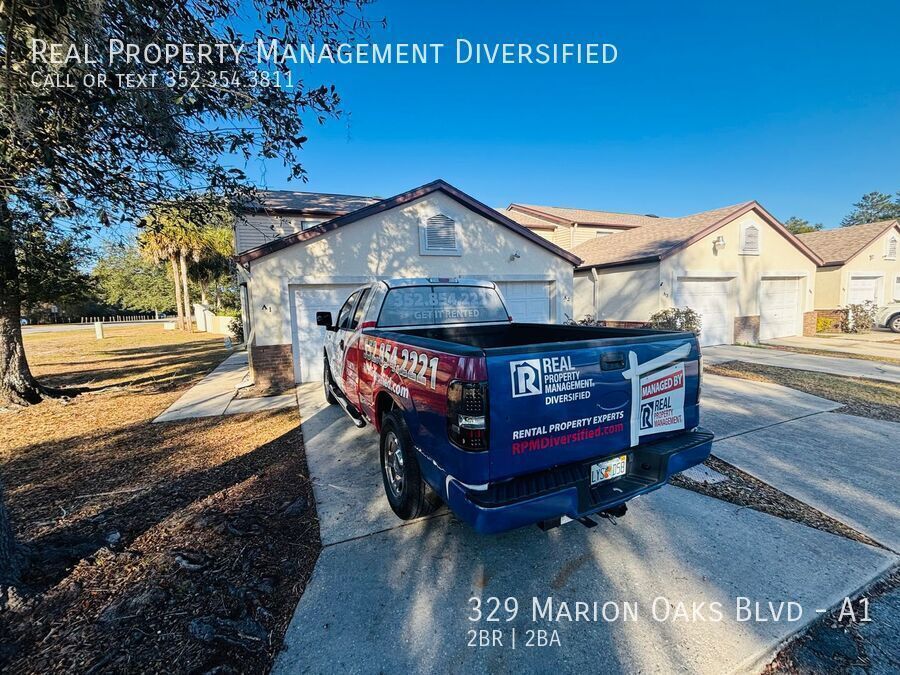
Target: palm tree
x=215 y=261
x=159 y=245
x=181 y=231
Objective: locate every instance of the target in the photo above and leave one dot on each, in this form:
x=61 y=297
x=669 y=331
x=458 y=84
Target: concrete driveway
x=388 y=596
x=843 y=465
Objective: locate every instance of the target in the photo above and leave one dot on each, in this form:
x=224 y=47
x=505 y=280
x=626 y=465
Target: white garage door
x=779 y=308
x=309 y=339
x=863 y=288
x=710 y=299
x=527 y=301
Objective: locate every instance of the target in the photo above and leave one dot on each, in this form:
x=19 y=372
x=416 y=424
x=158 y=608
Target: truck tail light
x=467 y=415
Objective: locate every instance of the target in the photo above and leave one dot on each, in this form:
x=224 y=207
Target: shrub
x=236 y=328
x=825 y=324
x=860 y=317
x=586 y=320
x=676 y=318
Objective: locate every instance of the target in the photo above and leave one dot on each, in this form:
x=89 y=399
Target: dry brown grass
x=79 y=471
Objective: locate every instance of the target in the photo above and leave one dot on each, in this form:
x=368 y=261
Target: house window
x=750 y=239
x=891 y=249
x=438 y=236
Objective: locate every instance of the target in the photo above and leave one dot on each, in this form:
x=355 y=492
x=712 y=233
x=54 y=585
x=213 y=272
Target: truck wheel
x=408 y=494
x=894 y=323
x=327 y=383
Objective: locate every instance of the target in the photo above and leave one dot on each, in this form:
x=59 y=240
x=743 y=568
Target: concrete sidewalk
x=215 y=394
x=389 y=596
x=881 y=344
x=831 y=365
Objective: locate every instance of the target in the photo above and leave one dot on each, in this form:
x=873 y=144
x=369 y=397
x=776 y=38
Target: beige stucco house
x=860 y=263
x=432 y=231
x=738 y=267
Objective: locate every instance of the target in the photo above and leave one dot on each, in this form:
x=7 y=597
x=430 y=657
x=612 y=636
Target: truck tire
x=407 y=493
x=326 y=381
x=894 y=323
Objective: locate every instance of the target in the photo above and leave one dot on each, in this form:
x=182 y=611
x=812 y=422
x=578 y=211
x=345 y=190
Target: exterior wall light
x=719 y=243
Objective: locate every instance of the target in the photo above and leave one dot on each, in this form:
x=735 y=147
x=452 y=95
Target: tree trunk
x=17 y=385
x=203 y=290
x=177 y=279
x=186 y=295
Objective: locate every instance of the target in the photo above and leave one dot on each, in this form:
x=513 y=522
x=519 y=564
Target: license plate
x=611 y=468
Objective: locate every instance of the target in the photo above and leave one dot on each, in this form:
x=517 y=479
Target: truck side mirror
x=324 y=319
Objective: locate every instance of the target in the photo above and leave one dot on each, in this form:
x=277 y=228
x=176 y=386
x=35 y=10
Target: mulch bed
x=169 y=547
x=860 y=396
x=744 y=490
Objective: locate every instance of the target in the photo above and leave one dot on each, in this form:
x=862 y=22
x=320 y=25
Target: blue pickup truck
x=510 y=424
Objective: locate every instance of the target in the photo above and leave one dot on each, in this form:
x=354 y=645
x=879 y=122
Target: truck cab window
x=360 y=306
x=343 y=317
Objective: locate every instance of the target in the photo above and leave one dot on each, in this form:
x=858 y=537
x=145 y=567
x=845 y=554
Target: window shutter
x=440 y=234
x=751 y=239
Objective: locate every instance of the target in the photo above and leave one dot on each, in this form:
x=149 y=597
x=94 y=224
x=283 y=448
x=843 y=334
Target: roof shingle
x=592 y=217
x=275 y=201
x=652 y=241
x=527 y=219
x=839 y=245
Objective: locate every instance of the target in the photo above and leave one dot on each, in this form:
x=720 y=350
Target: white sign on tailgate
x=662 y=400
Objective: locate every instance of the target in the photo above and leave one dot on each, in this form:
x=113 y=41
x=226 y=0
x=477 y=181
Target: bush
x=826 y=324
x=586 y=320
x=676 y=318
x=236 y=327
x=860 y=317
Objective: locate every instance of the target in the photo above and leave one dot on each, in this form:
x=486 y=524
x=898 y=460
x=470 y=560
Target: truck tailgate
x=557 y=403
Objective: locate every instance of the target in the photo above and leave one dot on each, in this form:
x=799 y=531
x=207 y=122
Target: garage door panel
x=862 y=289
x=711 y=299
x=527 y=301
x=779 y=307
x=309 y=340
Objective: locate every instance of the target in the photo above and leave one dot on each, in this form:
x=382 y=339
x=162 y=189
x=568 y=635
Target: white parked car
x=889 y=317
x=23 y=322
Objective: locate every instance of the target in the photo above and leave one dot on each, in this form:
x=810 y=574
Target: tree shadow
x=129 y=463
x=137 y=375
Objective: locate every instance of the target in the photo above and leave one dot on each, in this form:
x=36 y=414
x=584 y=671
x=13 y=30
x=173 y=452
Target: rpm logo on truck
x=526 y=377
x=662 y=400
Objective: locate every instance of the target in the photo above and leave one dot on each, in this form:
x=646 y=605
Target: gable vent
x=440 y=235
x=751 y=239
x=892 y=248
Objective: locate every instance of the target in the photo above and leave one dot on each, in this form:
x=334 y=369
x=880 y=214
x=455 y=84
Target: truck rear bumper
x=566 y=490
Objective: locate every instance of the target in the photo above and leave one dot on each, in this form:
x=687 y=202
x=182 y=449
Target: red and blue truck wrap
x=510 y=424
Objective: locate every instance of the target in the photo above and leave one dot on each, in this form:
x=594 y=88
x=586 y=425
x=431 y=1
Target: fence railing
x=119 y=318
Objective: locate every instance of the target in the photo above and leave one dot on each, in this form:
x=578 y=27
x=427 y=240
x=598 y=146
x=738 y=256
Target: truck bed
x=507 y=338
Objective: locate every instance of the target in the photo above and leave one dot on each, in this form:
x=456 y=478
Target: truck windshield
x=430 y=305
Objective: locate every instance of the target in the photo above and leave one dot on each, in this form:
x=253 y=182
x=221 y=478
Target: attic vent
x=750 y=239
x=892 y=249
x=439 y=236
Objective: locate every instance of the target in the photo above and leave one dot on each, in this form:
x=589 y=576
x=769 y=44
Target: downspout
x=596 y=293
x=244 y=274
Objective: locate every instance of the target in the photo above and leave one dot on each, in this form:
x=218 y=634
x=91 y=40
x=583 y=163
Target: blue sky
x=795 y=104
